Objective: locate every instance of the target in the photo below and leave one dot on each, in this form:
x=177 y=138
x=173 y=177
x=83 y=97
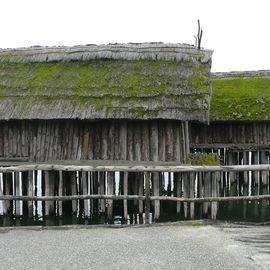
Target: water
x=237 y=184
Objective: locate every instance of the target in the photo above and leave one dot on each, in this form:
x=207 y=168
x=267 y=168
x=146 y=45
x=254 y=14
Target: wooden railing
x=147 y=168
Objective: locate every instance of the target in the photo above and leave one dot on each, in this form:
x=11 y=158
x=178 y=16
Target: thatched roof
x=118 y=81
x=241 y=96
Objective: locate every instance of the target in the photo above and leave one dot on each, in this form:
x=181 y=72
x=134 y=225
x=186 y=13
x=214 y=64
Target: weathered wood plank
x=135 y=197
x=147 y=179
x=145 y=141
x=110 y=191
x=111 y=140
x=101 y=190
x=60 y=193
x=8 y=190
x=132 y=167
x=125 y=190
x=169 y=141
x=74 y=190
x=85 y=192
x=104 y=140
x=49 y=191
x=17 y=181
x=30 y=192
x=4 y=203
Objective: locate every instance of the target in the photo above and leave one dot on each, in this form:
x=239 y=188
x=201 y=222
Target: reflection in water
x=90 y=212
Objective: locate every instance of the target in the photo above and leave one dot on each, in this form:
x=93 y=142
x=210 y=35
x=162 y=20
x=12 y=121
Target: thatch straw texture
x=120 y=81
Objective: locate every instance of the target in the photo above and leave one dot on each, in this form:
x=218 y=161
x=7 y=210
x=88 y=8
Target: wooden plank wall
x=238 y=135
x=82 y=140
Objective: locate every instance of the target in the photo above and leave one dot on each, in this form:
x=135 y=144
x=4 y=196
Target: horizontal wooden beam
x=133 y=197
x=232 y=147
x=135 y=168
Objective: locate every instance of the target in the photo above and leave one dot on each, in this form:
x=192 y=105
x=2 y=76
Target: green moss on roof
x=240 y=98
x=139 y=89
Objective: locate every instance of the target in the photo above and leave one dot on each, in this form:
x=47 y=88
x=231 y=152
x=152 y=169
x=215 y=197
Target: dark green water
x=241 y=211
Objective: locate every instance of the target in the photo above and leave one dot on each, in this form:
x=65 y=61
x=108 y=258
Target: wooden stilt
x=125 y=190
x=4 y=205
x=134 y=184
x=74 y=191
x=206 y=191
x=30 y=192
x=85 y=192
x=101 y=190
x=49 y=191
x=140 y=191
x=17 y=192
x=8 y=190
x=24 y=190
x=255 y=156
x=110 y=191
x=199 y=191
x=154 y=156
x=147 y=179
x=60 y=193
x=178 y=188
x=156 y=192
x=264 y=174
x=214 y=186
x=245 y=162
x=185 y=192
x=192 y=194
x=91 y=188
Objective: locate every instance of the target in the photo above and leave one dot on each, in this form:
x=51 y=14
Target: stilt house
x=239 y=118
x=108 y=102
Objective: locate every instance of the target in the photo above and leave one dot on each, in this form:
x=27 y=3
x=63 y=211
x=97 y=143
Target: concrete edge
x=187 y=223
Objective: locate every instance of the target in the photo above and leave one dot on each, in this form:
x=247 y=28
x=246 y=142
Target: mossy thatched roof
x=130 y=81
x=241 y=96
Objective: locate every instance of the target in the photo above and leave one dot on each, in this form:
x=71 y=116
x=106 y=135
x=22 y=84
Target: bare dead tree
x=198 y=39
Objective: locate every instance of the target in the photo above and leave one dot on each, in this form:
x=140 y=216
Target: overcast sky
x=237 y=30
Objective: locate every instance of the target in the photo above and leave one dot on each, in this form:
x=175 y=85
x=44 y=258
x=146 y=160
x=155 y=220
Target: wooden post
x=101 y=190
x=60 y=193
x=199 y=191
x=125 y=183
x=178 y=188
x=110 y=191
x=186 y=185
x=187 y=138
x=245 y=193
x=134 y=185
x=17 y=192
x=245 y=162
x=24 y=186
x=123 y=156
x=140 y=191
x=91 y=181
x=214 y=187
x=264 y=174
x=192 y=194
x=255 y=161
x=30 y=192
x=49 y=191
x=154 y=157
x=4 y=205
x=156 y=192
x=8 y=190
x=73 y=183
x=230 y=162
x=85 y=192
x=147 y=178
x=206 y=191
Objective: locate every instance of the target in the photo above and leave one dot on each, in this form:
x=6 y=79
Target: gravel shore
x=156 y=247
